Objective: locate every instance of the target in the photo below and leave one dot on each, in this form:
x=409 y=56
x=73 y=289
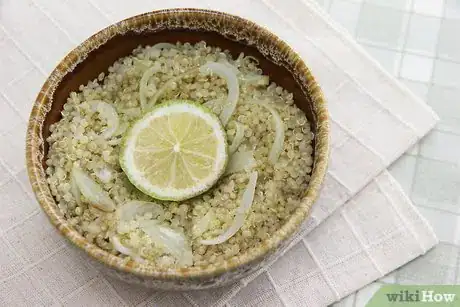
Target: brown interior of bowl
x=119 y=46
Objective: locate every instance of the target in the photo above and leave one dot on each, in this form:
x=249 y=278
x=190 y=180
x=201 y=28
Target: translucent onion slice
x=238 y=221
x=129 y=210
x=108 y=112
x=92 y=191
x=172 y=241
x=240 y=161
x=230 y=66
x=248 y=194
x=238 y=139
x=203 y=224
x=144 y=86
x=227 y=73
x=104 y=174
x=278 y=142
x=163 y=46
x=125 y=250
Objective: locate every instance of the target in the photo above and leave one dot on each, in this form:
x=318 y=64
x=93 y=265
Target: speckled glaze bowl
x=97 y=53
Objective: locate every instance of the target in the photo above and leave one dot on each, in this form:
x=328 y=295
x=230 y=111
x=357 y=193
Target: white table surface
x=418 y=42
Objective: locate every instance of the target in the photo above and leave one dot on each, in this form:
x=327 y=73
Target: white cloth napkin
x=367 y=226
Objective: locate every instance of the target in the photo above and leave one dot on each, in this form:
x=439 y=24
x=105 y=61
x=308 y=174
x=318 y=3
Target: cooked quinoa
x=75 y=141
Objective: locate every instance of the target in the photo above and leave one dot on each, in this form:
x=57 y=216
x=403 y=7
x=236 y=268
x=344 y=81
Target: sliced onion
x=163 y=46
x=238 y=139
x=238 y=221
x=125 y=250
x=227 y=73
x=104 y=174
x=203 y=224
x=278 y=142
x=172 y=241
x=92 y=191
x=74 y=190
x=248 y=194
x=240 y=161
x=129 y=210
x=108 y=112
x=230 y=66
x=144 y=86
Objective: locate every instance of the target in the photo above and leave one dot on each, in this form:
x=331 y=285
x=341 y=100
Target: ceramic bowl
x=230 y=32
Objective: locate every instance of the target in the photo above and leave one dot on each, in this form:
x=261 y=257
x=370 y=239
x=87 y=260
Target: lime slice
x=175 y=152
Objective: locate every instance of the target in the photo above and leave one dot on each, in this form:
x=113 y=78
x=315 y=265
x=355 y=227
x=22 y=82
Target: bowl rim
x=35 y=143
